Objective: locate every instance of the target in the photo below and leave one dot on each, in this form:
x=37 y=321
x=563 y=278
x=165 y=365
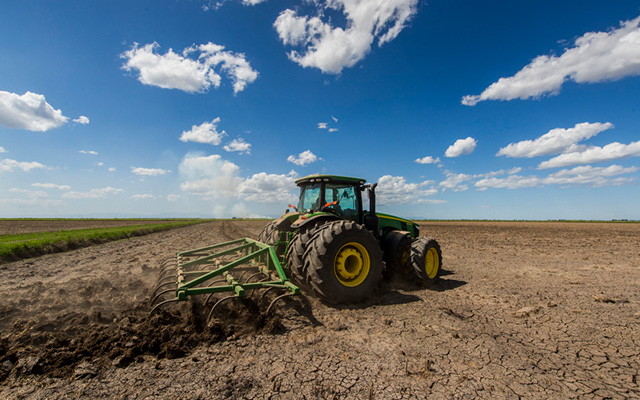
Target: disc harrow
x=222 y=268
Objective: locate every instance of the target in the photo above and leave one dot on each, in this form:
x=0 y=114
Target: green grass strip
x=27 y=245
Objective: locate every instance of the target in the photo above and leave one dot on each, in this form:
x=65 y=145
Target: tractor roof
x=330 y=178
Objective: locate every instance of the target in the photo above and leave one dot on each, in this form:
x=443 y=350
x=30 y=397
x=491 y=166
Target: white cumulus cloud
x=396 y=190
x=593 y=154
x=209 y=176
x=595 y=57
x=555 y=141
x=456 y=182
x=8 y=165
x=585 y=175
x=51 y=186
x=510 y=182
x=81 y=120
x=269 y=188
x=238 y=145
x=31 y=202
x=215 y=4
x=2 y=150
x=234 y=65
x=98 y=193
x=29 y=111
x=33 y=194
x=332 y=48
x=428 y=160
x=304 y=158
x=566 y=142
x=461 y=147
x=325 y=125
x=143 y=196
x=218 y=180
x=94 y=153
x=207 y=132
x=169 y=70
x=149 y=171
x=193 y=70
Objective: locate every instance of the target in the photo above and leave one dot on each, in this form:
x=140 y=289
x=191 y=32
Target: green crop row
x=27 y=245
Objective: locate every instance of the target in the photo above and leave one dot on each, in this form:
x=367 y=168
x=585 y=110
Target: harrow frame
x=201 y=271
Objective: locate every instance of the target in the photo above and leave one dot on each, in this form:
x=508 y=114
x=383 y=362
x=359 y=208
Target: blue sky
x=498 y=110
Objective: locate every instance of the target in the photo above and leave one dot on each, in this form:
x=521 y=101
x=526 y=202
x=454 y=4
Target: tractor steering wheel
x=335 y=207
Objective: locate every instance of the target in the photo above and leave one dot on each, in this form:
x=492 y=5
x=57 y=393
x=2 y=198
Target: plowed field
x=523 y=310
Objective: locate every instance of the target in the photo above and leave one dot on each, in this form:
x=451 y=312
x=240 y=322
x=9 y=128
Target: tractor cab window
x=310 y=198
x=345 y=196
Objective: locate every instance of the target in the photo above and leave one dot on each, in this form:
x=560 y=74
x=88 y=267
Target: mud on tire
x=426 y=259
x=343 y=262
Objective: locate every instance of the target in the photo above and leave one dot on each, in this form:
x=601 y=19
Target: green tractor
x=334 y=247
x=329 y=245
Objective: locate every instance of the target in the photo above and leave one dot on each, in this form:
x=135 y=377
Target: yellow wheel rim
x=352 y=264
x=431 y=263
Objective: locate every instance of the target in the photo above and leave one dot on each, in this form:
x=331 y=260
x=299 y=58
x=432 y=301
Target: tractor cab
x=337 y=195
x=341 y=197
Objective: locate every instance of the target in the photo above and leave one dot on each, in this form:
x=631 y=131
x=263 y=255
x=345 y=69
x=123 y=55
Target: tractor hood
x=391 y=222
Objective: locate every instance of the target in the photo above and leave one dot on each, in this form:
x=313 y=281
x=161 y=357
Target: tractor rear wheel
x=397 y=249
x=426 y=259
x=343 y=262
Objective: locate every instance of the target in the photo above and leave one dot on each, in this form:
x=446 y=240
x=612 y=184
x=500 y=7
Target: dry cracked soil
x=522 y=310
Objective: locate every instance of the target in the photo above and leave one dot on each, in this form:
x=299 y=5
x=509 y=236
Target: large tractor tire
x=343 y=262
x=297 y=247
x=396 y=246
x=266 y=232
x=426 y=259
x=272 y=234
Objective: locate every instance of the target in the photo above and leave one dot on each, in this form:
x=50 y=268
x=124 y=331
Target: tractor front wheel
x=343 y=262
x=426 y=259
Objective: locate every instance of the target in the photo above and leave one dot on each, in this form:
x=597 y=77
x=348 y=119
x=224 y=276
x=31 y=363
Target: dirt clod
x=526 y=311
x=601 y=298
x=85 y=370
x=27 y=365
